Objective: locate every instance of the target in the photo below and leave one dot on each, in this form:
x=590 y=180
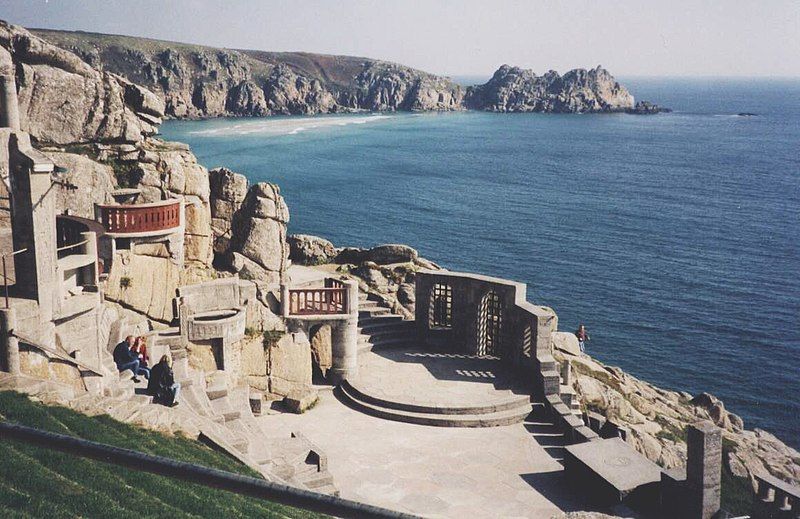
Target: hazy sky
x=466 y=37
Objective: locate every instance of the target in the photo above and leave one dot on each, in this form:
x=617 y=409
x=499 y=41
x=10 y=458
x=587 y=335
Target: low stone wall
x=525 y=330
x=467 y=304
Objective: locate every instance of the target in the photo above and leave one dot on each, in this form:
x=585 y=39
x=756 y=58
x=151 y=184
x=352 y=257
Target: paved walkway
x=433 y=471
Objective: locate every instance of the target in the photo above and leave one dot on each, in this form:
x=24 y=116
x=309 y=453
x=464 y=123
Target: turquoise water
x=673 y=237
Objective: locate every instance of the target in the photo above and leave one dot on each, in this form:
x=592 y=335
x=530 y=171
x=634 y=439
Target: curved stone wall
x=524 y=338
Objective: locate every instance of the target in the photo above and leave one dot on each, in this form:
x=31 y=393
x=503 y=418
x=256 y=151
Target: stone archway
x=321 y=352
x=490 y=325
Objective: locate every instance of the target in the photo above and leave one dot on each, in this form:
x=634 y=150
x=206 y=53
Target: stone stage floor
x=433 y=471
x=431 y=378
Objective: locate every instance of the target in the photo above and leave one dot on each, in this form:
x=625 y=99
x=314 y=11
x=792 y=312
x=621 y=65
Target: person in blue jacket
x=126 y=358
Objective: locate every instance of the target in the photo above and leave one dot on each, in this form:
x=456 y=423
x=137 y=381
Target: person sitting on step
x=125 y=358
x=162 y=385
x=140 y=348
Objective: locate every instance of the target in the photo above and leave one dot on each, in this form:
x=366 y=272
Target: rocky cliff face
x=64 y=100
x=657 y=419
x=513 y=89
x=198 y=81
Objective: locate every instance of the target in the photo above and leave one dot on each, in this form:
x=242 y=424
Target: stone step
x=222 y=406
x=218 y=390
x=385 y=318
x=316 y=480
x=518 y=402
x=373 y=311
x=496 y=419
x=328 y=489
x=388 y=326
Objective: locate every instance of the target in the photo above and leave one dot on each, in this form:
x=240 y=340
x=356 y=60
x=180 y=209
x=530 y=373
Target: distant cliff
x=513 y=89
x=199 y=81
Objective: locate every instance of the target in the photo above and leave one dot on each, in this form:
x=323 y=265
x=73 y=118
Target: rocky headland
x=99 y=126
x=513 y=89
x=196 y=81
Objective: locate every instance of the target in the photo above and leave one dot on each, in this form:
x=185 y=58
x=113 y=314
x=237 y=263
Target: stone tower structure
x=28 y=179
x=703 y=469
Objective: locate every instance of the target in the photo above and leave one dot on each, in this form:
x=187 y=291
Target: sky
x=466 y=37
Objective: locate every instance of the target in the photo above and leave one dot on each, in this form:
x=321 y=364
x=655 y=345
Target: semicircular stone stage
x=439 y=389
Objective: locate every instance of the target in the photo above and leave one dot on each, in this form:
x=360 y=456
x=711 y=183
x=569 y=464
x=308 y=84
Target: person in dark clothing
x=162 y=385
x=582 y=337
x=126 y=358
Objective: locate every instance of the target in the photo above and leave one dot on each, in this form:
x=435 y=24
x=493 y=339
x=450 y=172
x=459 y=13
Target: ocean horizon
x=673 y=237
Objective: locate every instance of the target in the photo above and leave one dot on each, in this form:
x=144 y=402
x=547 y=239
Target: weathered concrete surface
x=431 y=471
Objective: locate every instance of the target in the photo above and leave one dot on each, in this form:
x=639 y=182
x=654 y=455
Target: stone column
x=344 y=350
x=183 y=321
x=9 y=343
x=9 y=107
x=90 y=249
x=566 y=373
x=703 y=469
x=285 y=300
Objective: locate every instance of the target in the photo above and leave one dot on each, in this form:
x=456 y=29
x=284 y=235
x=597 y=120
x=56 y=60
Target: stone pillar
x=352 y=297
x=344 y=350
x=90 y=249
x=566 y=373
x=183 y=321
x=703 y=469
x=33 y=226
x=285 y=300
x=9 y=107
x=9 y=343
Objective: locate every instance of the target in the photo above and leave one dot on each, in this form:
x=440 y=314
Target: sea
x=675 y=238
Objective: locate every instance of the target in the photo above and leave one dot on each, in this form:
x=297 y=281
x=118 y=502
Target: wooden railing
x=125 y=219
x=777 y=498
x=318 y=301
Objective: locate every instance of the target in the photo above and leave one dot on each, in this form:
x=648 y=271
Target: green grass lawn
x=37 y=482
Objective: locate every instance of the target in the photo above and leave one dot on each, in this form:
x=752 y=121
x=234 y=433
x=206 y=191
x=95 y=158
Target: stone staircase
x=546 y=433
x=209 y=409
x=379 y=328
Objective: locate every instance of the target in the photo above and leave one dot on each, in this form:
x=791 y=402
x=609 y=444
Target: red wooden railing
x=317 y=301
x=159 y=216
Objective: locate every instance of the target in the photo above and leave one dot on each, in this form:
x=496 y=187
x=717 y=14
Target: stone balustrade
x=776 y=499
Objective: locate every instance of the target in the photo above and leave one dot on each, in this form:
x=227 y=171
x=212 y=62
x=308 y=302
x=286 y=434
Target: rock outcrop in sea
x=512 y=89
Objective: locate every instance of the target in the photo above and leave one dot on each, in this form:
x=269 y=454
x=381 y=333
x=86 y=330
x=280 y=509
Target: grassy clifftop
x=37 y=482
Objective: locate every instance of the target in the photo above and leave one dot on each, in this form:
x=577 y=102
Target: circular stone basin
x=218 y=315
x=229 y=323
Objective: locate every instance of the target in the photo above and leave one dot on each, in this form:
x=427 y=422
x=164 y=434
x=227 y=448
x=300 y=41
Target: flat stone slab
x=432 y=471
x=433 y=379
x=617 y=463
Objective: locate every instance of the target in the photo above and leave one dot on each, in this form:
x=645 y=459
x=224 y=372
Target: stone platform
x=439 y=389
